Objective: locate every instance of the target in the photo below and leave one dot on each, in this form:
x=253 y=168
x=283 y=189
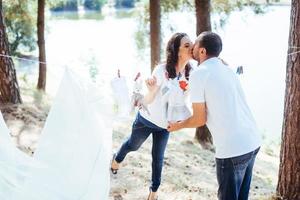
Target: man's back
x=229 y=118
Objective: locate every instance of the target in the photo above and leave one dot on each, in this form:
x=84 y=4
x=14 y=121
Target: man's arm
x=196 y=120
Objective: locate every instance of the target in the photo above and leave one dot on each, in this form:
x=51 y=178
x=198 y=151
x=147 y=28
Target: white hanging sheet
x=72 y=158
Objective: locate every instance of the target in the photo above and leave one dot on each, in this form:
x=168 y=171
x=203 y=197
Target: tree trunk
x=155 y=32
x=41 y=43
x=203 y=136
x=288 y=186
x=9 y=87
x=203 y=8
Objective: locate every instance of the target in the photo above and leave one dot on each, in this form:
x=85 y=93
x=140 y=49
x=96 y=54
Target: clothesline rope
x=49 y=69
x=36 y=61
x=19 y=58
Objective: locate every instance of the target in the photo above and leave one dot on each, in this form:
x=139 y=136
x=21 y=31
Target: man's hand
x=196 y=120
x=174 y=126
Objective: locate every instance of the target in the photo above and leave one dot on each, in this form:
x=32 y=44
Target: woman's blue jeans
x=141 y=129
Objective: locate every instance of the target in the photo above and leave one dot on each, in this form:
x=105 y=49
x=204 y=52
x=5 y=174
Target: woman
x=177 y=67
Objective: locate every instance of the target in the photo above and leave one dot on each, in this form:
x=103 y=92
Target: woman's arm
x=153 y=88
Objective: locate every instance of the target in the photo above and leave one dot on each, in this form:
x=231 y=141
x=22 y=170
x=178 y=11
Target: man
x=219 y=101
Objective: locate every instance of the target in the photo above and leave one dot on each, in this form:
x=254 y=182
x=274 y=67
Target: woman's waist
x=153 y=120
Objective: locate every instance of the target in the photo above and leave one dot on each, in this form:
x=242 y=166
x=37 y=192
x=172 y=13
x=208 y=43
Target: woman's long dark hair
x=172 y=56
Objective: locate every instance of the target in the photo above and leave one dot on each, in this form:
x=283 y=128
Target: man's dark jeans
x=234 y=176
x=141 y=129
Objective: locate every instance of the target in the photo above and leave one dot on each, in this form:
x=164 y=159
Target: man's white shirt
x=229 y=118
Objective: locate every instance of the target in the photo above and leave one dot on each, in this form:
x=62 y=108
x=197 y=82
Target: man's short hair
x=212 y=42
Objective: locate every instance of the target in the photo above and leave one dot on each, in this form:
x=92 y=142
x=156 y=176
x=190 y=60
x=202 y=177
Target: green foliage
x=20 y=21
x=227 y=6
x=143 y=31
x=72 y=5
x=171 y=5
x=221 y=8
x=218 y=6
x=64 y=5
x=94 y=4
x=124 y=3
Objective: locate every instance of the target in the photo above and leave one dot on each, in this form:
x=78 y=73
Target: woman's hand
x=151 y=84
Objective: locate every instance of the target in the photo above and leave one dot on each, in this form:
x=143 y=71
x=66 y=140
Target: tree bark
x=203 y=10
x=155 y=32
x=288 y=186
x=9 y=87
x=204 y=137
x=41 y=44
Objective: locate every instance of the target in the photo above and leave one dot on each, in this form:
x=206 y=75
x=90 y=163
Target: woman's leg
x=139 y=134
x=160 y=140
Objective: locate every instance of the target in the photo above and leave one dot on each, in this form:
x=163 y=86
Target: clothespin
x=119 y=73
x=223 y=61
x=137 y=76
x=239 y=70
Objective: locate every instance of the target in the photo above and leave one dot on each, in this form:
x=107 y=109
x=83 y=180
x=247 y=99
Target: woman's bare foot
x=152 y=196
x=114 y=165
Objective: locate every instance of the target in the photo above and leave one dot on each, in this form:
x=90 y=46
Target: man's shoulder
x=201 y=71
x=200 y=76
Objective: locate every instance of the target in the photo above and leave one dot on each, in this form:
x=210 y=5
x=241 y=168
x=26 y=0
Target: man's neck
x=207 y=58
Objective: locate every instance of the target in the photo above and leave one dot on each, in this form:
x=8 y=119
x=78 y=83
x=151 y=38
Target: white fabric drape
x=72 y=158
